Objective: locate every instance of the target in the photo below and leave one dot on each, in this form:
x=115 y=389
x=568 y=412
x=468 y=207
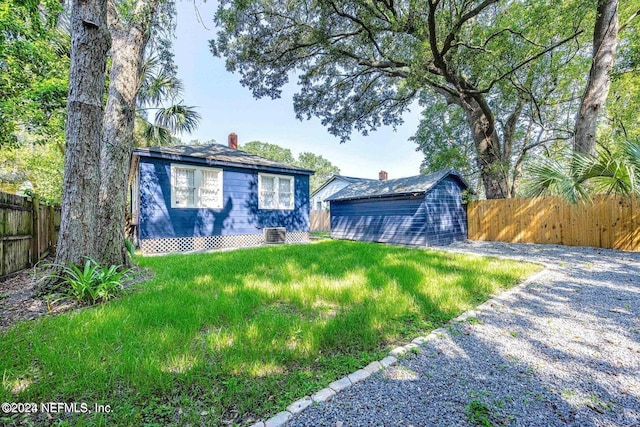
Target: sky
x=226 y=106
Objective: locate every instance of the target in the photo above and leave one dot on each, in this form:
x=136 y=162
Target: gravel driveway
x=561 y=349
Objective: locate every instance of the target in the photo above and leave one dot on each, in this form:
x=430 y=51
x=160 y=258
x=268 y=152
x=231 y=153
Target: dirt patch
x=18 y=299
x=19 y=302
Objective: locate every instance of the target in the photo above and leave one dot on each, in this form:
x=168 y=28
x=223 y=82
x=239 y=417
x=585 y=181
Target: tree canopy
x=514 y=72
x=361 y=64
x=34 y=64
x=323 y=167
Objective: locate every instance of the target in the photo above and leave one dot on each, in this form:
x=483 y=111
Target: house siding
x=389 y=220
x=445 y=213
x=239 y=214
x=432 y=219
x=328 y=191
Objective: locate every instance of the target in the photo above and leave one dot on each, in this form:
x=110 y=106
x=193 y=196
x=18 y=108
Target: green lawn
x=241 y=333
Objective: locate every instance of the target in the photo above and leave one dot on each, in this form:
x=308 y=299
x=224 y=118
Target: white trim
x=276 y=193
x=135 y=199
x=197 y=188
x=191 y=244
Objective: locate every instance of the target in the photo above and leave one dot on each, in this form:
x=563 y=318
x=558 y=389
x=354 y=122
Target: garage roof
x=396 y=187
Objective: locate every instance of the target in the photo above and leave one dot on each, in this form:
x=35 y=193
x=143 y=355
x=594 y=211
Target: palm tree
x=576 y=177
x=160 y=86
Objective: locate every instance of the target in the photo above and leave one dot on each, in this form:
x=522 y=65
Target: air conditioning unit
x=275 y=235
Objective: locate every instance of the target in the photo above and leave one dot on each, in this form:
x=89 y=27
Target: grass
x=320 y=235
x=236 y=336
x=478 y=413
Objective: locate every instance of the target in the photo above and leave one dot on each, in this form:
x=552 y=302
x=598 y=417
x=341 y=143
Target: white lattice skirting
x=188 y=244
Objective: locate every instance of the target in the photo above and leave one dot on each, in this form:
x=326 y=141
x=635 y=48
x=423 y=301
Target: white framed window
x=275 y=192
x=195 y=187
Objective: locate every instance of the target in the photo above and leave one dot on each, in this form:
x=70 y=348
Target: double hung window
x=196 y=187
x=275 y=192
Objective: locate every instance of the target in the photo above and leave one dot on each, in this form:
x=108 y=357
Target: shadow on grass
x=563 y=351
x=237 y=335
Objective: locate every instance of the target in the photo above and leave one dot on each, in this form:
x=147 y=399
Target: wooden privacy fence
x=28 y=232
x=605 y=222
x=320 y=221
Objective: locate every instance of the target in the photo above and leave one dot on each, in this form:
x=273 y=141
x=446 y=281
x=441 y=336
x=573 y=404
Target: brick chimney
x=382 y=175
x=233 y=141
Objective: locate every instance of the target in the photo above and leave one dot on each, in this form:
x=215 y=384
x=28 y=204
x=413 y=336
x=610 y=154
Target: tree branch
x=463 y=19
x=525 y=62
x=509 y=30
x=628 y=21
x=361 y=24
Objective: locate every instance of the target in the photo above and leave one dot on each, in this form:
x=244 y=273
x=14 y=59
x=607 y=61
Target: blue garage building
x=186 y=198
x=424 y=210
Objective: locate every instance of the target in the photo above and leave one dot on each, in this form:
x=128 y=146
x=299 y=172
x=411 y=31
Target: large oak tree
x=362 y=63
x=90 y=43
x=130 y=33
x=605 y=43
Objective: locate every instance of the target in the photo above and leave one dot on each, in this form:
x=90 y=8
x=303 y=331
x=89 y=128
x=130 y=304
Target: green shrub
x=478 y=413
x=94 y=282
x=131 y=248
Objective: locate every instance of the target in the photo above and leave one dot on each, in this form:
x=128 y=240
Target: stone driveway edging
x=326 y=394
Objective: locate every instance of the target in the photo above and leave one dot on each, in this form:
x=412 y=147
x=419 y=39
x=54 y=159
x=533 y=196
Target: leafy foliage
x=161 y=90
x=93 y=283
x=323 y=167
x=33 y=166
x=362 y=64
x=576 y=177
x=445 y=141
x=34 y=61
x=478 y=413
x=269 y=151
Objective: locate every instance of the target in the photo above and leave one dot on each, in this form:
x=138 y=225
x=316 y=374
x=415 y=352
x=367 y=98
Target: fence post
x=52 y=231
x=35 y=230
x=4 y=229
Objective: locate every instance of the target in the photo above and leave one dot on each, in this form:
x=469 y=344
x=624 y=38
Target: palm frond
x=61 y=42
x=157 y=87
x=609 y=174
x=577 y=176
x=157 y=135
x=632 y=154
x=178 y=118
x=562 y=177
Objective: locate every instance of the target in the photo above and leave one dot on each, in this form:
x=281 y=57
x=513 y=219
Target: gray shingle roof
x=348 y=179
x=353 y=179
x=395 y=187
x=215 y=153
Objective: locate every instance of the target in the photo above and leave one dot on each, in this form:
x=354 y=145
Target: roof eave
x=213 y=162
x=378 y=196
x=445 y=174
x=327 y=182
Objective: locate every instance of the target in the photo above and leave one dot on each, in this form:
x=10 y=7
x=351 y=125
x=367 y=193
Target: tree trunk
x=89 y=47
x=129 y=41
x=488 y=158
x=605 y=40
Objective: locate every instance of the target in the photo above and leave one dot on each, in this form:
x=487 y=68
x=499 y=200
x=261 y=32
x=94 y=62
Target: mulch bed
x=19 y=302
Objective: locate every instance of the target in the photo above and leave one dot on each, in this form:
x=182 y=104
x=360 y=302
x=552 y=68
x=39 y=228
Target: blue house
x=424 y=210
x=330 y=187
x=186 y=198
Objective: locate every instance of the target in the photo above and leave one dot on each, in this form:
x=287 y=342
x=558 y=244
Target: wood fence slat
x=27 y=232
x=606 y=221
x=319 y=221
x=635 y=224
x=3 y=233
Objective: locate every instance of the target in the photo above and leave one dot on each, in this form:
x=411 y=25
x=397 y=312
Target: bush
x=93 y=283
